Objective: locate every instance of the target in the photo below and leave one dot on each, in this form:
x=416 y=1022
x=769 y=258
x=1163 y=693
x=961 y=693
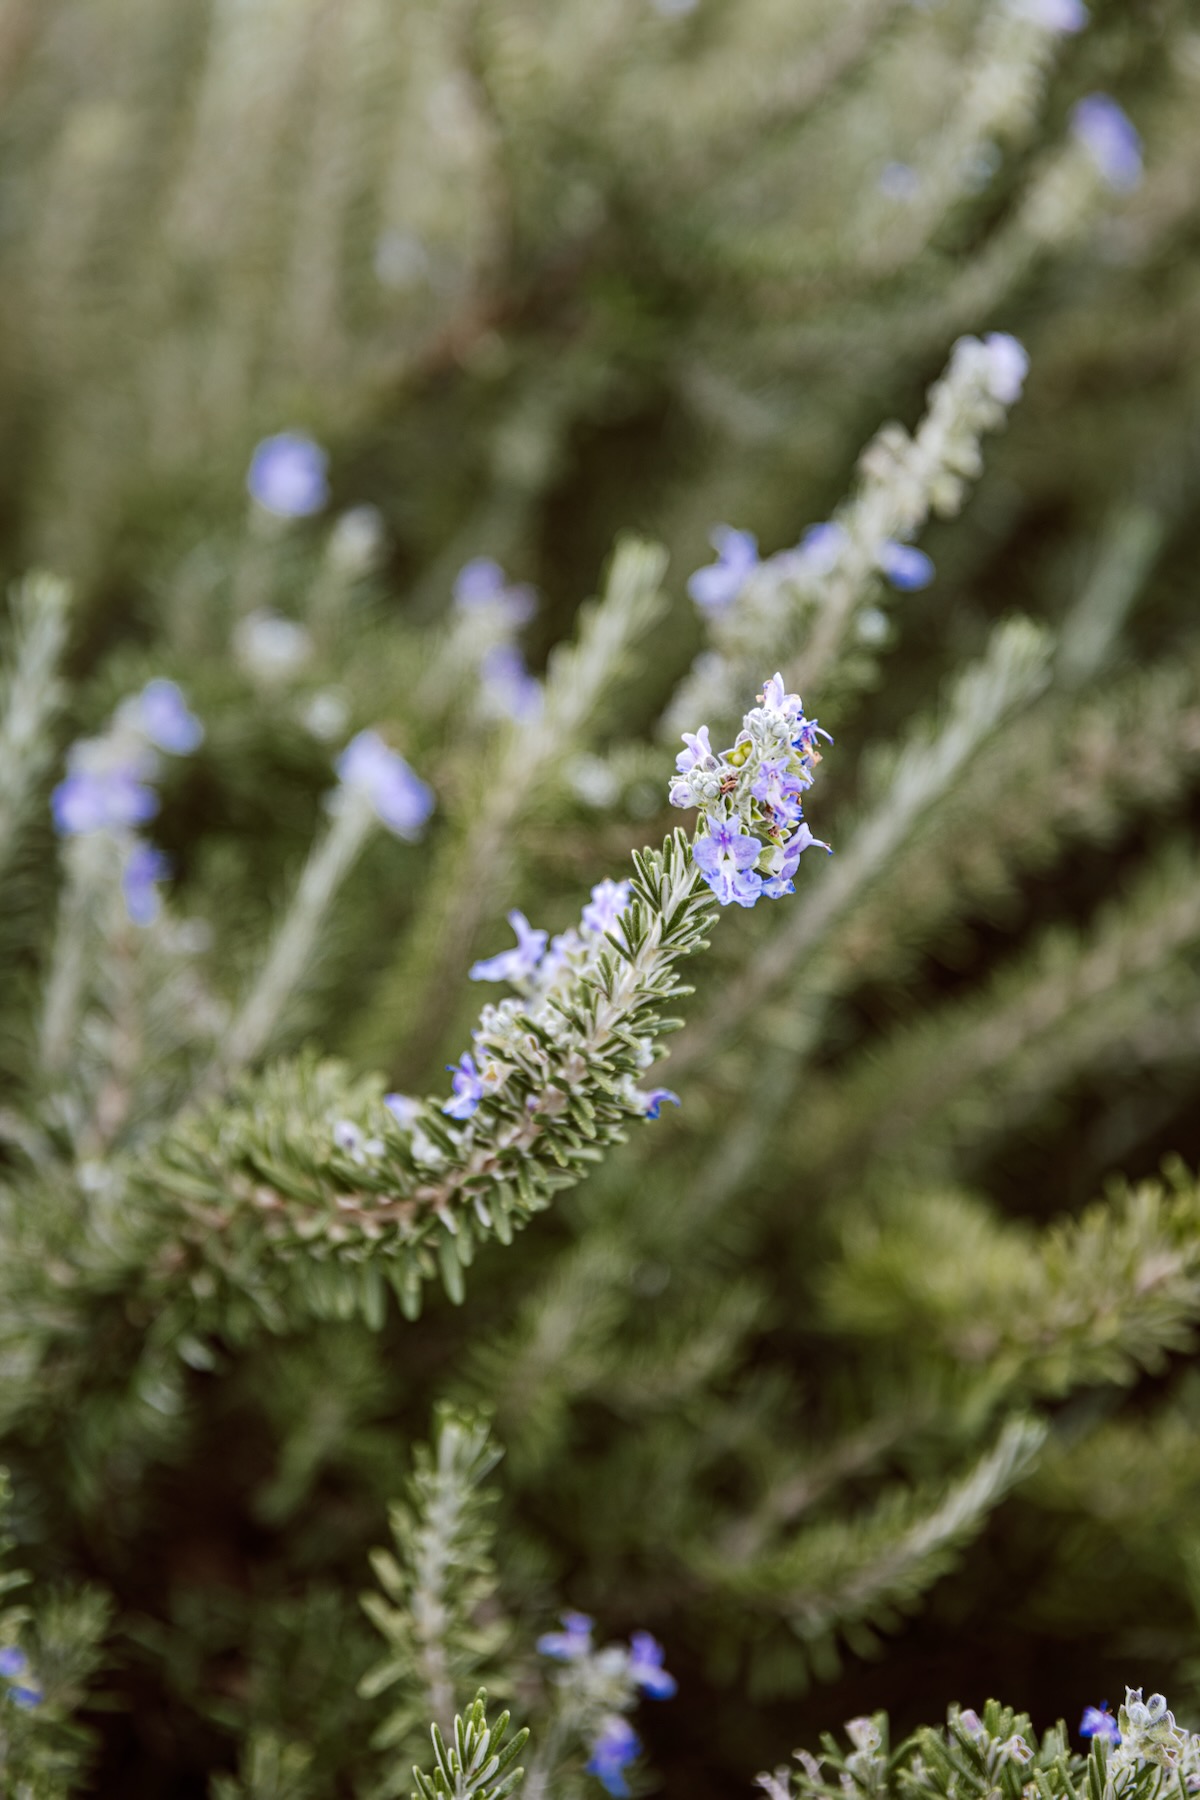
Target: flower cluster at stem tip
x=601 y=1683
x=752 y=829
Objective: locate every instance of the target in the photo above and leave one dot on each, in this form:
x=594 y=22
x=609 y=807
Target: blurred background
x=532 y=273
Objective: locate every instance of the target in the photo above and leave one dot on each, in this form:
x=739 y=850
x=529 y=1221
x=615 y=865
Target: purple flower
x=400 y=798
x=778 y=788
x=13 y=1662
x=287 y=476
x=144 y=868
x=513 y=965
x=785 y=861
x=507 y=683
x=1008 y=365
x=654 y=1100
x=1098 y=1723
x=468 y=1088
x=609 y=900
x=25 y=1696
x=699 y=750
x=1110 y=139
x=716 y=587
x=726 y=859
x=646 y=1667
x=96 y=798
x=573 y=1642
x=482 y=582
x=161 y=714
x=613 y=1749
x=906 y=567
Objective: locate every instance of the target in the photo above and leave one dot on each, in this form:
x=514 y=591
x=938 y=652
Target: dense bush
x=863 y=1381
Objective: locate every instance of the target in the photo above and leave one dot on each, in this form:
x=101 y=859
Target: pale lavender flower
x=820 y=549
x=899 y=181
x=906 y=567
x=13 y=1662
x=613 y=1749
x=786 y=860
x=468 y=1088
x=609 y=900
x=513 y=965
x=654 y=1100
x=774 y=694
x=716 y=587
x=400 y=799
x=482 y=582
x=1064 y=16
x=699 y=750
x=403 y=1108
x=1008 y=365
x=507 y=685
x=144 y=868
x=726 y=858
x=646 y=1667
x=1098 y=1722
x=1110 y=139
x=160 y=713
x=570 y=1644
x=270 y=647
x=287 y=476
x=778 y=788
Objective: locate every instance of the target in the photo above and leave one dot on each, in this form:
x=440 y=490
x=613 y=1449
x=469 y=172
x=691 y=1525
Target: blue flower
x=468 y=1088
x=570 y=1644
x=726 y=859
x=13 y=1662
x=612 y=1751
x=513 y=965
x=144 y=868
x=508 y=685
x=101 y=799
x=1098 y=1723
x=287 y=476
x=161 y=714
x=785 y=861
x=906 y=567
x=778 y=787
x=400 y=798
x=1008 y=365
x=609 y=900
x=654 y=1100
x=25 y=1696
x=716 y=587
x=1110 y=139
x=482 y=582
x=646 y=1667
